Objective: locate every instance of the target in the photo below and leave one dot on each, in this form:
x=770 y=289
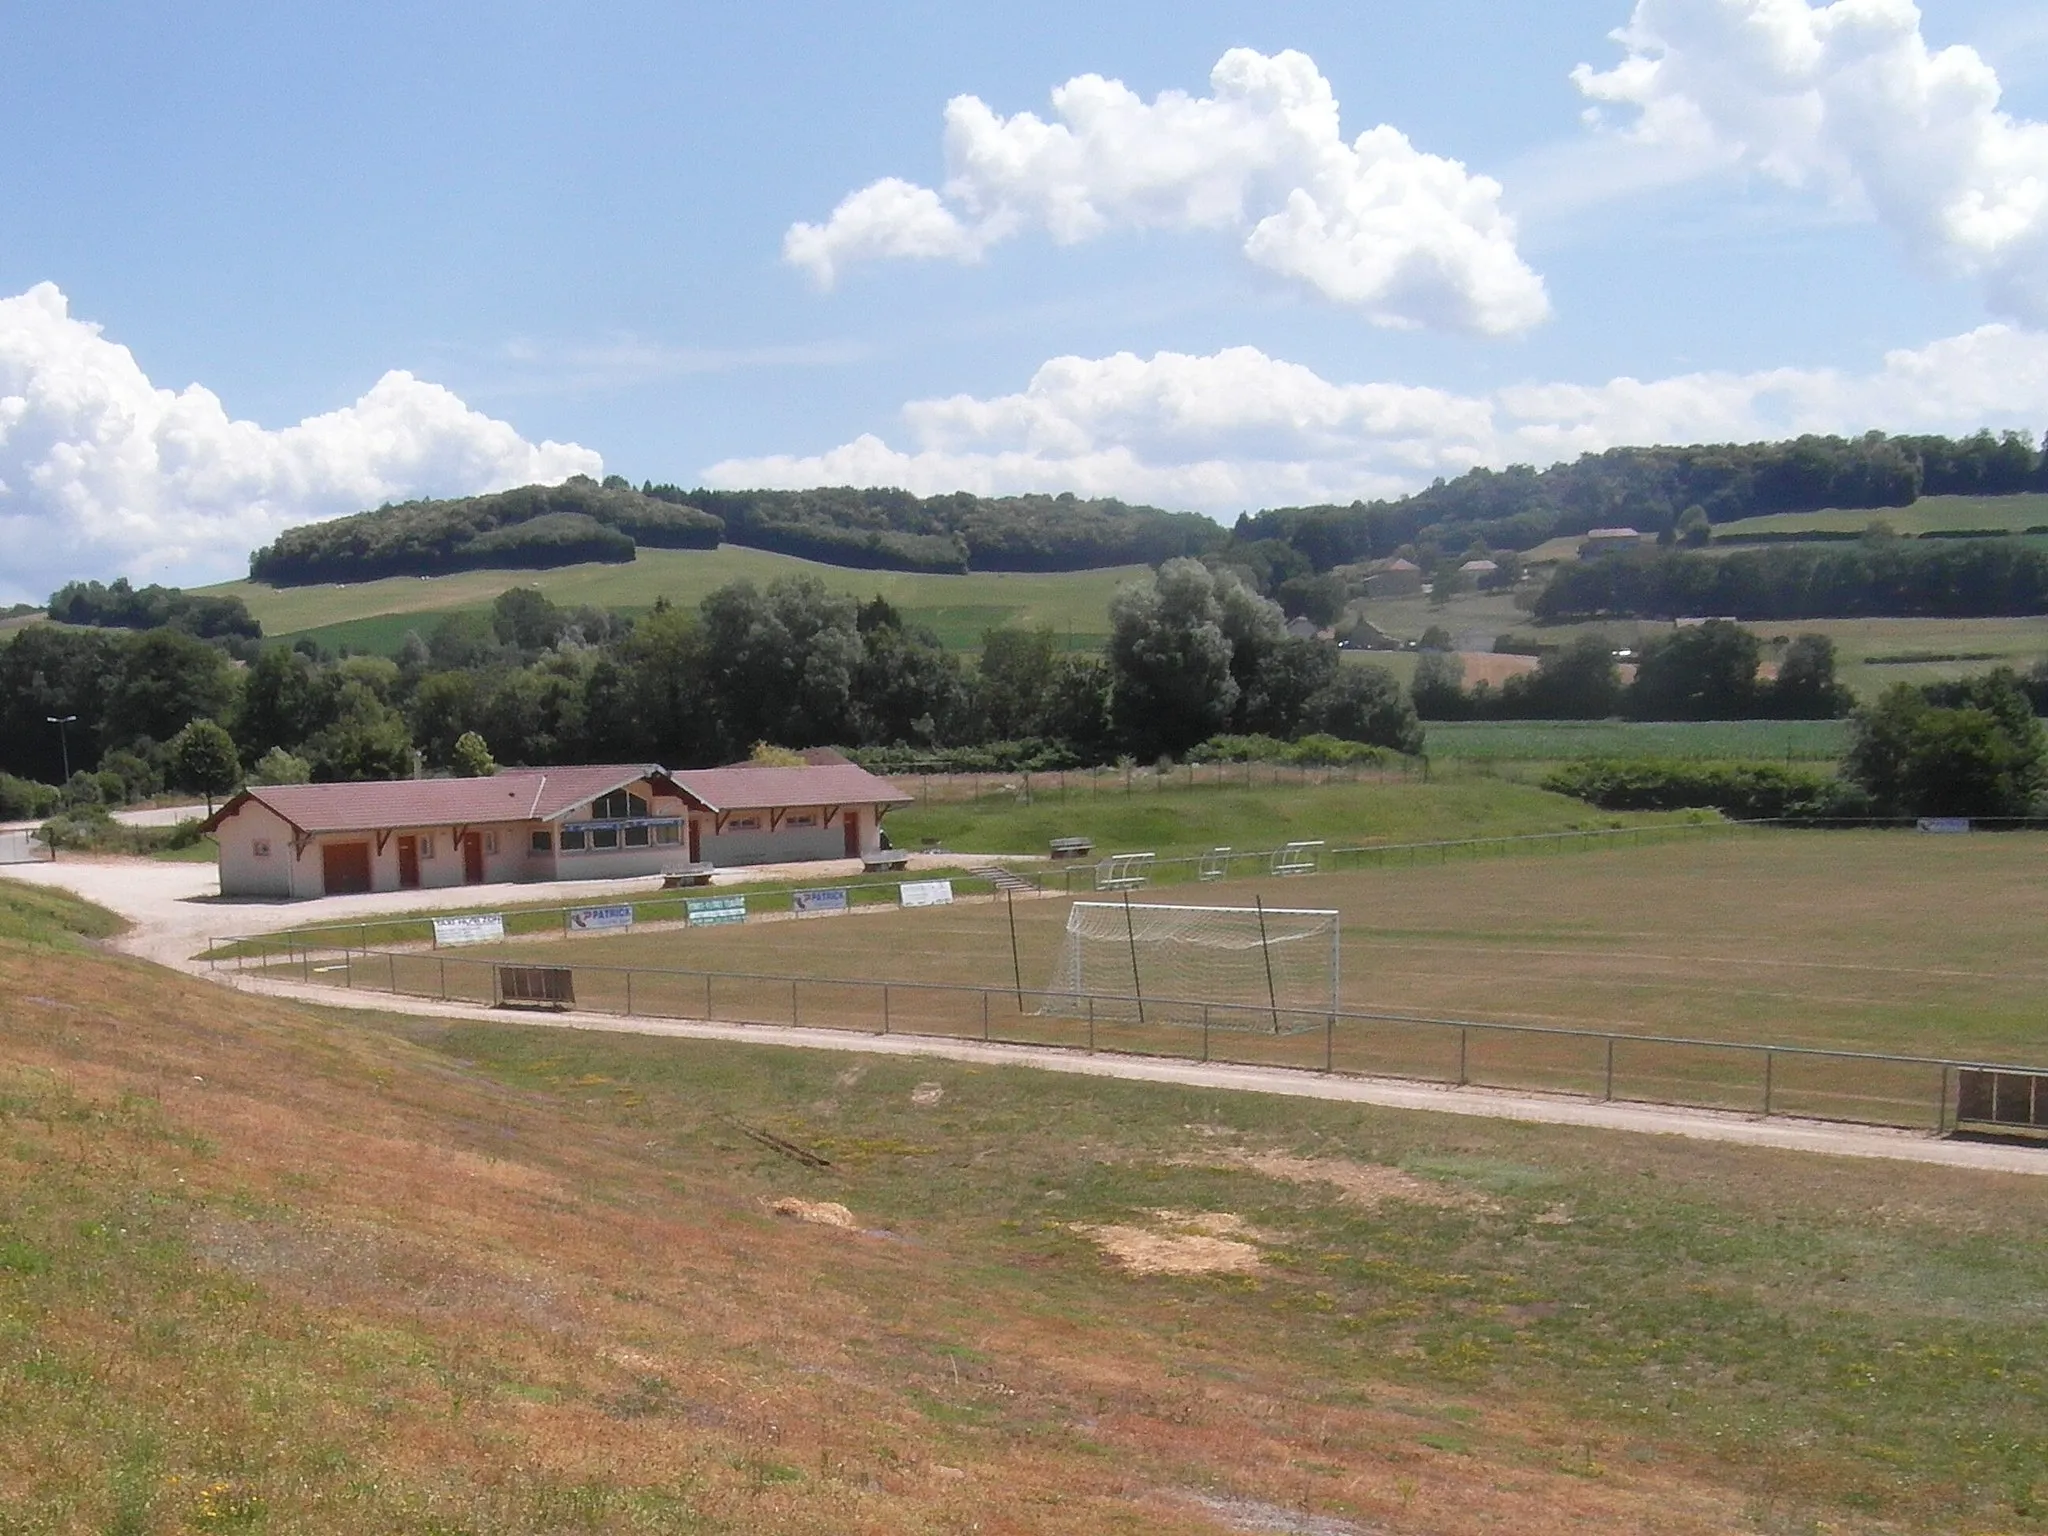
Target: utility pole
x=63 y=722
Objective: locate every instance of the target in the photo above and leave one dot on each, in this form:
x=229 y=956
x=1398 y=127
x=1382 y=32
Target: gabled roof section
x=749 y=787
x=512 y=794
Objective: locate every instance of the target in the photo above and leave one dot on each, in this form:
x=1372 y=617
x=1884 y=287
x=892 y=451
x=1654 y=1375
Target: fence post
x=1941 y=1109
x=885 y=1007
x=1607 y=1095
x=1205 y=1032
x=1770 y=1064
x=442 y=961
x=984 y=1014
x=629 y=991
x=1329 y=1042
x=1462 y=1077
x=792 y=1003
x=393 y=958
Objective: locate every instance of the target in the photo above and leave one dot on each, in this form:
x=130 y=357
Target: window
x=743 y=824
x=262 y=847
x=490 y=842
x=426 y=847
x=604 y=837
x=801 y=819
x=618 y=806
x=543 y=842
x=669 y=832
x=636 y=837
x=572 y=839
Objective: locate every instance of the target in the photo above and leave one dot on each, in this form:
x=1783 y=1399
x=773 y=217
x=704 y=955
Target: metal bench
x=676 y=876
x=1215 y=864
x=1298 y=859
x=1124 y=872
x=1072 y=847
x=882 y=860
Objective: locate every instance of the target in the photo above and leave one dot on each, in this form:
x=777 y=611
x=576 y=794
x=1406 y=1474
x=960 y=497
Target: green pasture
x=1930 y=514
x=1550 y=741
x=374 y=615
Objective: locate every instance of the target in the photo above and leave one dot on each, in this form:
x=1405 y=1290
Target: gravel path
x=176 y=908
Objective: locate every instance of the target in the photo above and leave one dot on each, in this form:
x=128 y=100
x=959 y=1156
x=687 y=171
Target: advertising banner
x=1944 y=823
x=593 y=919
x=805 y=903
x=482 y=928
x=709 y=911
x=925 y=893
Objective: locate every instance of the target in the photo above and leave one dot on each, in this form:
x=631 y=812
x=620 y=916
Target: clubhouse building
x=292 y=841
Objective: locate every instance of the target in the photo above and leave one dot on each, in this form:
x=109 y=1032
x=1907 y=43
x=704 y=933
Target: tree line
x=1876 y=577
x=117 y=605
x=1193 y=654
x=1655 y=490
x=1709 y=671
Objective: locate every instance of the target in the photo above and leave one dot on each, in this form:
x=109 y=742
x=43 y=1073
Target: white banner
x=591 y=919
x=482 y=928
x=925 y=893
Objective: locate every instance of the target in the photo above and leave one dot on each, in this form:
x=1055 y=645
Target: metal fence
x=20 y=845
x=1047 y=785
x=1857 y=1087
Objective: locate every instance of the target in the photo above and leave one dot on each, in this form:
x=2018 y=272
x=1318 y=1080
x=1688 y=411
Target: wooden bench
x=1072 y=847
x=676 y=876
x=883 y=860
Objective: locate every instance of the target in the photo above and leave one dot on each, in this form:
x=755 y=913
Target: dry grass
x=260 y=1269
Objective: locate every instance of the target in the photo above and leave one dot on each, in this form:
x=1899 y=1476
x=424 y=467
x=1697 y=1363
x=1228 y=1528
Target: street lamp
x=64 y=736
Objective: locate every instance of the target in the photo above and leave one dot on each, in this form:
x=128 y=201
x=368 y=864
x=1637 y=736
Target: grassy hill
x=1930 y=514
x=271 y=1268
x=374 y=615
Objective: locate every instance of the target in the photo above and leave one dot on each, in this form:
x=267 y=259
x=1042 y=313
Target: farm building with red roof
x=592 y=822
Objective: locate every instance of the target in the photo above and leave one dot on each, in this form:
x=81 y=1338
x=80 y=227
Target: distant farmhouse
x=1600 y=541
x=1394 y=578
x=290 y=841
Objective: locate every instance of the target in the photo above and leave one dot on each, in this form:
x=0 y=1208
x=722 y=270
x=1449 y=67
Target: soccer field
x=1877 y=941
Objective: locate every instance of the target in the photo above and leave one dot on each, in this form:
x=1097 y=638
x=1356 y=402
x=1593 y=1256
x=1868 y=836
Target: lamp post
x=63 y=736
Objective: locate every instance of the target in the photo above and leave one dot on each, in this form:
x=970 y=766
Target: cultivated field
x=375 y=615
x=266 y=1268
x=1551 y=741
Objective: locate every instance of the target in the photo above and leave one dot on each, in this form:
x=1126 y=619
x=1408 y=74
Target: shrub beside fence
x=1857 y=1087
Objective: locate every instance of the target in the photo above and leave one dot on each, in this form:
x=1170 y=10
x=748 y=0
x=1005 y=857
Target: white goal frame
x=1069 y=995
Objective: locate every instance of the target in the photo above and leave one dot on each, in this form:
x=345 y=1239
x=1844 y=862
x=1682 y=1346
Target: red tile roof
x=749 y=787
x=513 y=794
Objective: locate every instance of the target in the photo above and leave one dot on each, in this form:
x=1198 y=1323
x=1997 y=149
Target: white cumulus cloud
x=1374 y=224
x=1848 y=99
x=102 y=471
x=1237 y=429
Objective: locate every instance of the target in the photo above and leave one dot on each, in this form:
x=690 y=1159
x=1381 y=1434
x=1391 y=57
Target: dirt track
x=173 y=910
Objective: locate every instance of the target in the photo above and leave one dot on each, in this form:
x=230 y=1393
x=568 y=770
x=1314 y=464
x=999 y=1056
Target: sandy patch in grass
x=1181 y=1243
x=819 y=1213
x=1362 y=1184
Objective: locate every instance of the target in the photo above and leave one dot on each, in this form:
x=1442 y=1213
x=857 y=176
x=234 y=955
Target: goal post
x=1268 y=969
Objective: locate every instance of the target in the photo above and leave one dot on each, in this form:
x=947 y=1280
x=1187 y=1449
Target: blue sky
x=401 y=254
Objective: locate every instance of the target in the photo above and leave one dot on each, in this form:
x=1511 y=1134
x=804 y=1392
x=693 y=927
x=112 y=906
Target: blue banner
x=591 y=919
x=805 y=902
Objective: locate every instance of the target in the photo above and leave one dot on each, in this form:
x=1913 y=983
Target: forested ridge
x=1654 y=490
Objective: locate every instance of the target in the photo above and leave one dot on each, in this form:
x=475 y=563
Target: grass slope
x=1930 y=514
x=267 y=1269
x=374 y=615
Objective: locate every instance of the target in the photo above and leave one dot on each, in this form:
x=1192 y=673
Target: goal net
x=1273 y=970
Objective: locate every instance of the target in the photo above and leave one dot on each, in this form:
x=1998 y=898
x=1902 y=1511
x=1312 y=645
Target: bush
x=1746 y=791
x=25 y=799
x=1317 y=751
x=1030 y=756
